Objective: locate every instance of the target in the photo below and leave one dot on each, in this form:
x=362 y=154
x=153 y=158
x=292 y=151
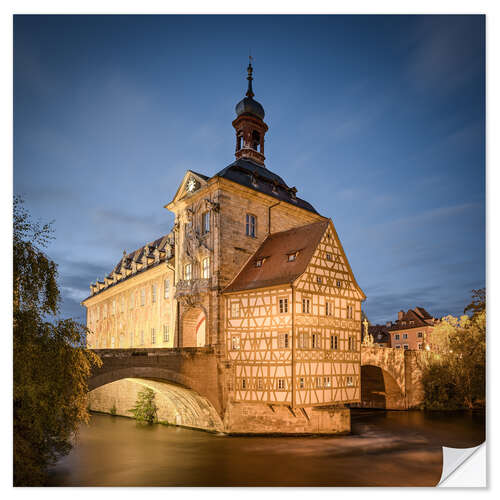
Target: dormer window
x=259 y=262
x=292 y=256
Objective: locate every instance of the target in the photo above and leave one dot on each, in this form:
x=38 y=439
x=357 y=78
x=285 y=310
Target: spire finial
x=249 y=77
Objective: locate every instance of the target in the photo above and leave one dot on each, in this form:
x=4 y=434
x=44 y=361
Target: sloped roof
x=412 y=319
x=251 y=175
x=275 y=269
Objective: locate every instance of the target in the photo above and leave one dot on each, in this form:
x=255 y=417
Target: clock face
x=191 y=185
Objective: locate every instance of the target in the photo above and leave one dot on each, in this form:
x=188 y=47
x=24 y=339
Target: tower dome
x=248 y=105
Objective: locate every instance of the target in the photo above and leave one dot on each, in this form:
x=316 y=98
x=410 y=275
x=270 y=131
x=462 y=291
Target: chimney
x=400 y=315
x=388 y=324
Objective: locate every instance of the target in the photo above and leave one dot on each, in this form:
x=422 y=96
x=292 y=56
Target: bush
x=145 y=409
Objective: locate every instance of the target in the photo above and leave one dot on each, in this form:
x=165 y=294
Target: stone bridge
x=185 y=380
x=391 y=378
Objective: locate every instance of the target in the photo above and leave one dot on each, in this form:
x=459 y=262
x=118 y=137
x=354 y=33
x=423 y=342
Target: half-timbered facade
x=292 y=324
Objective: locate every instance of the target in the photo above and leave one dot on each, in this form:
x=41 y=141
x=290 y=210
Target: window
x=205 y=222
x=328 y=256
x=281 y=384
x=398 y=346
x=283 y=341
x=235 y=309
x=258 y=262
x=142 y=337
x=251 y=222
x=334 y=342
x=318 y=382
x=306 y=303
x=291 y=257
x=420 y=335
x=420 y=346
x=187 y=272
x=283 y=306
x=301 y=382
x=153 y=336
x=396 y=337
x=235 y=343
x=260 y=383
x=153 y=293
x=316 y=341
x=350 y=312
x=318 y=279
x=303 y=341
x=351 y=344
x=405 y=346
x=327 y=382
x=329 y=309
x=166 y=289
x=166 y=336
x=205 y=268
x=243 y=383
x=405 y=335
x=131 y=339
x=143 y=296
x=339 y=284
x=349 y=381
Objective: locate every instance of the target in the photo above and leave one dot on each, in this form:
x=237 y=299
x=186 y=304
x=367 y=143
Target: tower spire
x=250 y=78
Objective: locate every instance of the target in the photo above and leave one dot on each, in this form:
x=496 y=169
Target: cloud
x=446 y=52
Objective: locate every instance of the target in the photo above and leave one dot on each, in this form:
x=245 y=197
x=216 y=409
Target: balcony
x=192 y=287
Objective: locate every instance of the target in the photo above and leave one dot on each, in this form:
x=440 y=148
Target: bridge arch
x=383 y=378
x=177 y=405
x=379 y=389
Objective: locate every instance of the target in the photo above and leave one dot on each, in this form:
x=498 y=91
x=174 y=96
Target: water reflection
x=385 y=449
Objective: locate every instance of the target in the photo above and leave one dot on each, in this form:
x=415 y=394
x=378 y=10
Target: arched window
x=255 y=140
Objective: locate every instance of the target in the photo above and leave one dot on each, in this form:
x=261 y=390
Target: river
x=386 y=448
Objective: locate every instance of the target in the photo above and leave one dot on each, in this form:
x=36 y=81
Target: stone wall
x=257 y=418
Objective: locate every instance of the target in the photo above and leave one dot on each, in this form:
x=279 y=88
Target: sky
x=379 y=121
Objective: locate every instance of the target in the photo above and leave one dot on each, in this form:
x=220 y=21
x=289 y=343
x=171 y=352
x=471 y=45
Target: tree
x=145 y=409
x=455 y=377
x=478 y=303
x=51 y=363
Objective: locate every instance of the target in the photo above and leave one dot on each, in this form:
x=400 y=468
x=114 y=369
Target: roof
x=379 y=333
x=413 y=318
x=125 y=263
x=275 y=268
x=249 y=174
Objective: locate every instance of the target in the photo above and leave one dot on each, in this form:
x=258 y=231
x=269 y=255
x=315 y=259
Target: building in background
x=412 y=330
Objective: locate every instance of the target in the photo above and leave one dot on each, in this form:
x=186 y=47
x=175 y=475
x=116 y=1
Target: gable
x=330 y=265
x=190 y=184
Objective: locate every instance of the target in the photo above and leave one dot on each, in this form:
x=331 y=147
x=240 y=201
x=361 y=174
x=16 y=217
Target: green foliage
x=455 y=377
x=112 y=410
x=145 y=409
x=51 y=363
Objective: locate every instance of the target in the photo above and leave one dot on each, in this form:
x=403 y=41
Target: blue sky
x=377 y=120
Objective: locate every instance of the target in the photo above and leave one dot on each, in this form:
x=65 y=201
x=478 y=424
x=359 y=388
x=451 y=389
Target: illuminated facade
x=249 y=270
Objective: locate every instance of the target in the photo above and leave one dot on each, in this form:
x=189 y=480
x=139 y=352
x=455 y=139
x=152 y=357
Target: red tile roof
x=275 y=268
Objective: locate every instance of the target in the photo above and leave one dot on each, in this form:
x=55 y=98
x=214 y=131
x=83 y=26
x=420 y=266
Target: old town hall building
x=249 y=269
